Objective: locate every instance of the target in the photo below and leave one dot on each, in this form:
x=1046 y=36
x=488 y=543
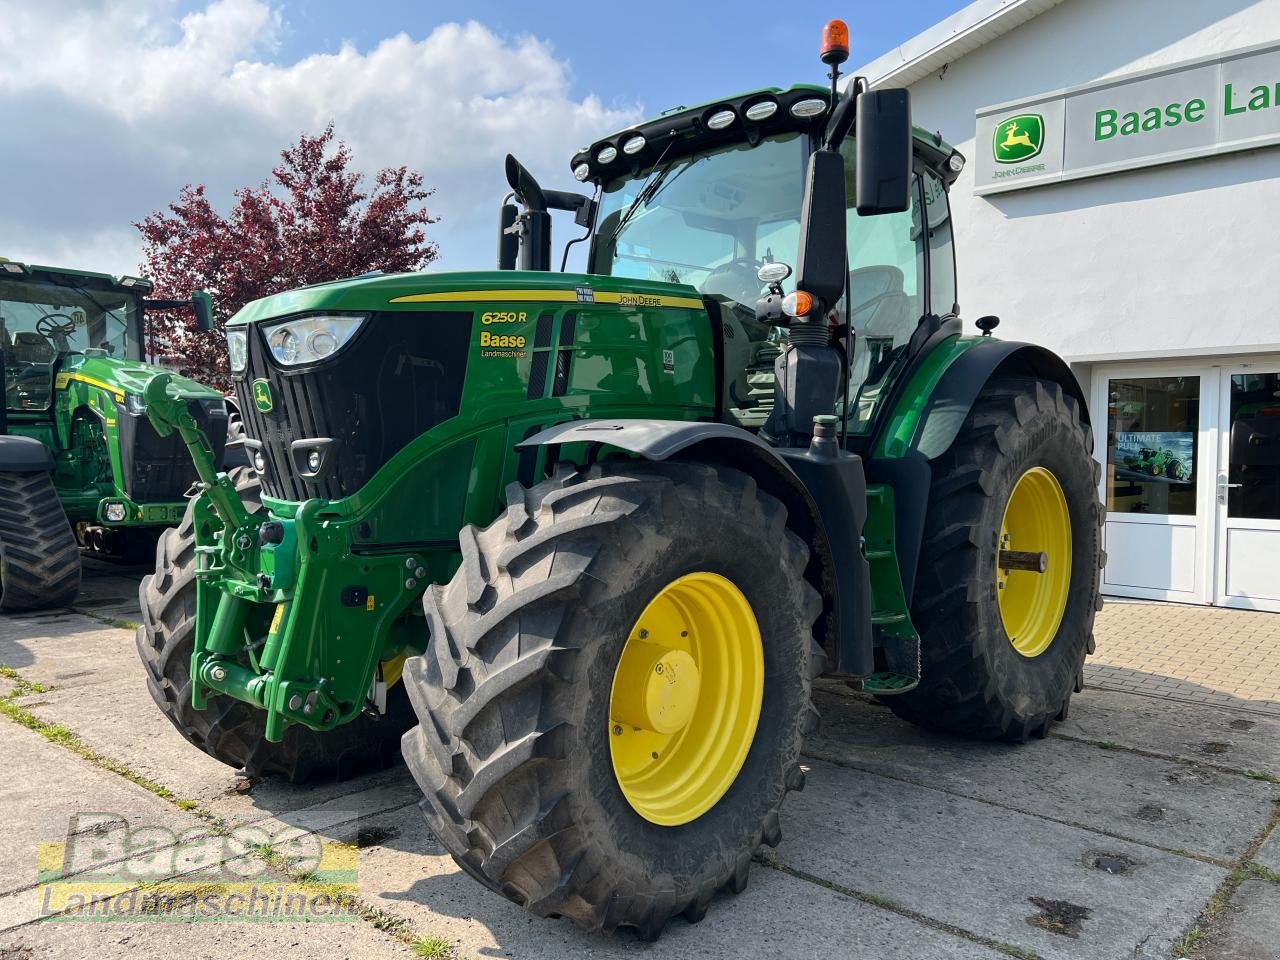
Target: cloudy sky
x=109 y=107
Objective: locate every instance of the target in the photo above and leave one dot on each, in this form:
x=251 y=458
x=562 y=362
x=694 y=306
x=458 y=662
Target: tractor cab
x=53 y=318
x=712 y=195
x=48 y=315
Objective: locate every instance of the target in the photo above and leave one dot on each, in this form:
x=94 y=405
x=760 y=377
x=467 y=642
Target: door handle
x=1223 y=487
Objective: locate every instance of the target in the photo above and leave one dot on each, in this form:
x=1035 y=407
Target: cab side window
x=942 y=252
x=887 y=295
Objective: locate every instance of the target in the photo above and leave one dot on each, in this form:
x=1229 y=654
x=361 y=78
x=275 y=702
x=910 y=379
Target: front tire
x=516 y=747
x=1003 y=651
x=227 y=729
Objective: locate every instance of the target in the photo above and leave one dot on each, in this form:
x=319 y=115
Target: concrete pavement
x=1143 y=826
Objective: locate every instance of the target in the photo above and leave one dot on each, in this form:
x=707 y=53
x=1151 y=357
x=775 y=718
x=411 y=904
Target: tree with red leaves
x=315 y=223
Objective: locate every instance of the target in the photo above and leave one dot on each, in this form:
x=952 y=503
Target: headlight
x=238 y=349
x=809 y=107
x=135 y=404
x=114 y=512
x=309 y=339
x=721 y=119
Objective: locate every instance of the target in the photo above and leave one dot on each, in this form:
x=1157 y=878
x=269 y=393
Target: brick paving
x=1227 y=658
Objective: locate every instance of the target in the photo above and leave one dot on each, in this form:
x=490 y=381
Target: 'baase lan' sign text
x=1194 y=109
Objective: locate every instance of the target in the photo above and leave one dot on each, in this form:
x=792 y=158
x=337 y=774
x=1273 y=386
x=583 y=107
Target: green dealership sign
x=1197 y=108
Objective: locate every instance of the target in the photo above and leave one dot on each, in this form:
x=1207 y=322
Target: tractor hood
x=412 y=290
x=119 y=377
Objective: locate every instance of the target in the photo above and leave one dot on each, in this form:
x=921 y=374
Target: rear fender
x=958 y=389
x=944 y=414
x=24 y=455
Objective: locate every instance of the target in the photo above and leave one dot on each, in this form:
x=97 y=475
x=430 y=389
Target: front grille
x=400 y=376
x=158 y=469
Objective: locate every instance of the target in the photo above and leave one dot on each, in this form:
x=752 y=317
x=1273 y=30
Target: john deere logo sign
x=1019 y=138
x=262 y=395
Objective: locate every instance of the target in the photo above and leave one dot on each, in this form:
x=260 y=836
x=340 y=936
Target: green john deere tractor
x=589 y=537
x=80 y=464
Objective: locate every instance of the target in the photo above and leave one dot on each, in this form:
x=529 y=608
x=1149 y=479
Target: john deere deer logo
x=262 y=396
x=1019 y=138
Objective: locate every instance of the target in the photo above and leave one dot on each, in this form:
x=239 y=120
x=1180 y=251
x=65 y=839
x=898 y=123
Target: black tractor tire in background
x=513 y=693
x=973 y=682
x=39 y=556
x=227 y=729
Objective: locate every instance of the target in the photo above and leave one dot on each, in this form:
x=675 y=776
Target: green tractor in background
x=586 y=539
x=80 y=464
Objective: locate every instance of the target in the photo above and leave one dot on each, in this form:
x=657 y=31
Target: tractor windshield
x=43 y=320
x=708 y=220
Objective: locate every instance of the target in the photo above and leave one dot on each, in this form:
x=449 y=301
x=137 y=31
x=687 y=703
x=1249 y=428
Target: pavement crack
x=1262 y=775
x=1197 y=937
x=1110 y=834
x=885 y=903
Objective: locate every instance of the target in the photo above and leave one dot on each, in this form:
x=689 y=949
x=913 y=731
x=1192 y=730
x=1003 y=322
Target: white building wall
x=1176 y=260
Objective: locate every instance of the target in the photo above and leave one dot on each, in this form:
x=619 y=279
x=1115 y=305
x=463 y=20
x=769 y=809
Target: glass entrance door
x=1157 y=486
x=1247 y=494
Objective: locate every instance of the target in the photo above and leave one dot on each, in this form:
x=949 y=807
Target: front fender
x=651 y=439
x=837 y=568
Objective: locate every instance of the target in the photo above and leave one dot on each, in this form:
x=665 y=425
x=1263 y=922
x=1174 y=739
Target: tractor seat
x=30 y=347
x=880 y=307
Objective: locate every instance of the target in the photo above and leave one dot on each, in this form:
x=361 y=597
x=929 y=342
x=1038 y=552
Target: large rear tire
x=1002 y=651
x=227 y=729
x=39 y=557
x=522 y=752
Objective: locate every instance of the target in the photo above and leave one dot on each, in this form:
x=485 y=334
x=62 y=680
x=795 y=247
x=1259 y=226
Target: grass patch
x=1264 y=873
x=1191 y=943
x=67 y=738
x=21 y=685
x=1195 y=938
x=1262 y=775
x=118 y=623
x=432 y=948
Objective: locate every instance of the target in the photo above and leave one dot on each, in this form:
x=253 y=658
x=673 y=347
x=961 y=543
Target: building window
x=1152 y=425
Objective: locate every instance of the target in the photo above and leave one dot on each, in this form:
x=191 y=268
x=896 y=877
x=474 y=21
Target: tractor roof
x=99 y=279
x=750 y=116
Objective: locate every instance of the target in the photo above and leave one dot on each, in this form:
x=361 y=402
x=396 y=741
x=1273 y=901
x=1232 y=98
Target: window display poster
x=1155 y=455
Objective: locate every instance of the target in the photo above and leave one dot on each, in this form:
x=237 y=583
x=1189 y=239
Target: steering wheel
x=48 y=328
x=735 y=280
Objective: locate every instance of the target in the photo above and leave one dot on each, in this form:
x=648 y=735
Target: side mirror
x=508 y=240
x=884 y=152
x=821 y=257
x=202 y=307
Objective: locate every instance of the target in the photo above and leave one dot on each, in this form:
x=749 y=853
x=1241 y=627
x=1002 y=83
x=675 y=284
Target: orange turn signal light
x=798 y=304
x=835 y=42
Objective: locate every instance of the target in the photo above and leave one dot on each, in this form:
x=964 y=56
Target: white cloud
x=121 y=104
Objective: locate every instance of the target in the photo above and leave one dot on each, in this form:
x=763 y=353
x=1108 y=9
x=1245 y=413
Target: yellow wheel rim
x=686 y=698
x=392 y=670
x=1036 y=521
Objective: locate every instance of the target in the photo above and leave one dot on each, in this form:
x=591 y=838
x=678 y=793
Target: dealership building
x=1120 y=205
